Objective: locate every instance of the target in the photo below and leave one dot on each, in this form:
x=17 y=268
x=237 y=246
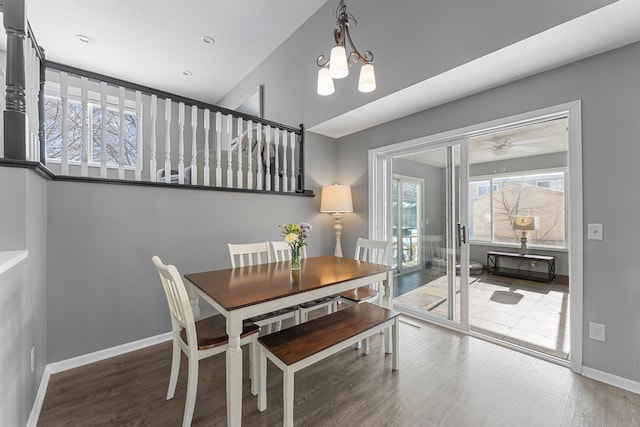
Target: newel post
x=15 y=115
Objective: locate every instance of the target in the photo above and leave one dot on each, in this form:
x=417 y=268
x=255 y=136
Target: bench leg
x=287 y=396
x=365 y=346
x=395 y=338
x=262 y=379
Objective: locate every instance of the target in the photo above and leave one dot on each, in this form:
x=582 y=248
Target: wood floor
x=445 y=379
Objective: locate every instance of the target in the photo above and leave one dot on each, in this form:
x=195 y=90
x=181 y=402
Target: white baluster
x=153 y=163
x=293 y=161
x=181 y=143
x=84 y=147
x=64 y=154
x=218 y=149
x=167 y=140
x=229 y=153
x=103 y=129
x=194 y=145
x=276 y=166
x=139 y=136
x=240 y=151
x=250 y=155
x=259 y=170
x=285 y=177
x=207 y=127
x=121 y=95
x=267 y=161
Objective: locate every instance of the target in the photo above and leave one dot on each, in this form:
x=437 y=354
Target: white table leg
x=387 y=301
x=234 y=370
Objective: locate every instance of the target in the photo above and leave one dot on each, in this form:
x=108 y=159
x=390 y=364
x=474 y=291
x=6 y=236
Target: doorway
x=461 y=186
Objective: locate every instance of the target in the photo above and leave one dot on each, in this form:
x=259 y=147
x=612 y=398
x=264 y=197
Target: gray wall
x=23 y=225
x=103 y=290
x=412 y=40
x=608 y=86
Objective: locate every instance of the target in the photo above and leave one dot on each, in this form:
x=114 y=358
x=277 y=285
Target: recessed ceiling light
x=208 y=40
x=84 y=39
x=187 y=73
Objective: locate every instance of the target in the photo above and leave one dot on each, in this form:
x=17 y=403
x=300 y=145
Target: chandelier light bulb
x=338 y=67
x=367 y=81
x=325 y=82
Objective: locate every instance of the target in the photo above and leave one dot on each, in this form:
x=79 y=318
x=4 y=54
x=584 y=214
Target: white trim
x=75 y=362
x=573 y=111
x=614 y=380
x=9 y=259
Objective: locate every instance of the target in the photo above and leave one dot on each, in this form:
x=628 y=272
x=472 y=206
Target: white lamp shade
x=325 y=82
x=338 y=67
x=367 y=82
x=525 y=223
x=336 y=198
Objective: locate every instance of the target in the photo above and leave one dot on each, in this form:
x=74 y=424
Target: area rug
x=430 y=294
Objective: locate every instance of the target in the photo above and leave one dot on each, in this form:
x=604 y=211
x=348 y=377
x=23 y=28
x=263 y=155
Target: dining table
x=242 y=293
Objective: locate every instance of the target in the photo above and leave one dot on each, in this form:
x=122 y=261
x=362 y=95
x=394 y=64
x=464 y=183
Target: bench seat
x=302 y=345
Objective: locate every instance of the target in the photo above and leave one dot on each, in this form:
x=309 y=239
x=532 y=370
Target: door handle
x=462 y=234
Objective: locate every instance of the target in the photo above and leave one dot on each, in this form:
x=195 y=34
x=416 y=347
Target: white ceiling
x=152 y=42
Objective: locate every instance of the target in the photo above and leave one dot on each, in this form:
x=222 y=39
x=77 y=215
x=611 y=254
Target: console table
x=523 y=262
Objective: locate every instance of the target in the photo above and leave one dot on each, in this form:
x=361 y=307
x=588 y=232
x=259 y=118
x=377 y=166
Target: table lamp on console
x=524 y=224
x=336 y=200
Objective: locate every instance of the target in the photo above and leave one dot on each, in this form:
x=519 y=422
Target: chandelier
x=337 y=65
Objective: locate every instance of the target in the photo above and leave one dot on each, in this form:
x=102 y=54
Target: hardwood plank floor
x=445 y=379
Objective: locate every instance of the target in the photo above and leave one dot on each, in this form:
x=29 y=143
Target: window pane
x=479 y=210
x=112 y=148
x=520 y=195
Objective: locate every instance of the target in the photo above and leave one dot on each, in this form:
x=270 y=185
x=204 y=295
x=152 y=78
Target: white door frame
x=380 y=187
x=419 y=219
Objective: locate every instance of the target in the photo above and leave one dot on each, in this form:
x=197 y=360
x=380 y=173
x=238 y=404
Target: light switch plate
x=594 y=232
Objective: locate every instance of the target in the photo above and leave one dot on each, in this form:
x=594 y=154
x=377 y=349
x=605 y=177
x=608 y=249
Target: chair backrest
x=434 y=243
x=280 y=251
x=249 y=254
x=178 y=300
x=372 y=250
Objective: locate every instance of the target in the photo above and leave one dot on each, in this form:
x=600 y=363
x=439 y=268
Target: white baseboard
x=63 y=365
x=614 y=380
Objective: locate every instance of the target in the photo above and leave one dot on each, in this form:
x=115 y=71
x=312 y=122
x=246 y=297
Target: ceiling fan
x=502 y=146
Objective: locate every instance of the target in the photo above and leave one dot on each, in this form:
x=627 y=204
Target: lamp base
x=523 y=243
x=337 y=218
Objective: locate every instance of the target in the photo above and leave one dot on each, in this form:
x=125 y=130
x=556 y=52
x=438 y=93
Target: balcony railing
x=86 y=126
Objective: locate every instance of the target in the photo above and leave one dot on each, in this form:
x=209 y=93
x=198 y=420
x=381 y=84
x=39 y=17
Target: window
x=542 y=194
x=75 y=115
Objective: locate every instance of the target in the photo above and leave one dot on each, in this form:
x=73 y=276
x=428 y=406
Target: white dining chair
x=248 y=254
x=280 y=251
x=198 y=340
x=374 y=251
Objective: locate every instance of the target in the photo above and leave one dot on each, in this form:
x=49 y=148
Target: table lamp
x=524 y=223
x=336 y=200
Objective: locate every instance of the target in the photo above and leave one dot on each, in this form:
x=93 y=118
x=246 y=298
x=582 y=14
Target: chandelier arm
x=322 y=61
x=366 y=58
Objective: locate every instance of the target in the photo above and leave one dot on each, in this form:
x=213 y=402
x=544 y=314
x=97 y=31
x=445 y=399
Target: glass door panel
x=429 y=233
x=407 y=223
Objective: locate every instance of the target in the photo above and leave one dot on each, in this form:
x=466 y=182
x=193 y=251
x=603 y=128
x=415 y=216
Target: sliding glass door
x=428 y=229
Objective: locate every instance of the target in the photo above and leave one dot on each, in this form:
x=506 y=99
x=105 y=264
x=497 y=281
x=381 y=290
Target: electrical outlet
x=597 y=331
x=33 y=359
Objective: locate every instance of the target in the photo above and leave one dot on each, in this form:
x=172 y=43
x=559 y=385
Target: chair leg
x=269 y=328
x=278 y=325
x=175 y=368
x=365 y=346
x=192 y=388
x=262 y=380
x=296 y=317
x=287 y=391
x=395 y=339
x=254 y=373
x=304 y=315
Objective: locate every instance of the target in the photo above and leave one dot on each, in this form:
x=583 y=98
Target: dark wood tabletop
x=234 y=288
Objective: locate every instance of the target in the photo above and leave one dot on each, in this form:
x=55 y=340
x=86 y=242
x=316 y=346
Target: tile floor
x=531 y=314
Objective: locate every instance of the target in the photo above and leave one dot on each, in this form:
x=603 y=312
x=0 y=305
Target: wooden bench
x=302 y=345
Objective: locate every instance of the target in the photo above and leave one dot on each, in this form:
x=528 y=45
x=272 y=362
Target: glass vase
x=296 y=262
